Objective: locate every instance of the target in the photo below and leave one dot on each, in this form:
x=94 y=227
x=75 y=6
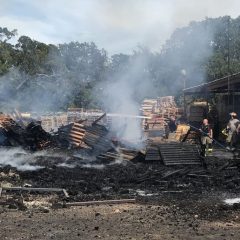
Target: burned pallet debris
x=118 y=154
x=80 y=135
x=180 y=154
x=72 y=134
x=31 y=135
x=152 y=153
x=97 y=137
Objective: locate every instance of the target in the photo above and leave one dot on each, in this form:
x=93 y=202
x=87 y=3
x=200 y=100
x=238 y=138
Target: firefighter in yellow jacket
x=206 y=137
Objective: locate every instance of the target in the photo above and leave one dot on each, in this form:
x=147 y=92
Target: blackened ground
x=127 y=179
x=172 y=202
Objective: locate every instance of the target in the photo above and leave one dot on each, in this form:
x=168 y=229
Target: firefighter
x=172 y=124
x=206 y=137
x=231 y=130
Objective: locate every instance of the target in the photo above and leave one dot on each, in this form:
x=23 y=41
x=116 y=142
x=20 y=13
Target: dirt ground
x=123 y=221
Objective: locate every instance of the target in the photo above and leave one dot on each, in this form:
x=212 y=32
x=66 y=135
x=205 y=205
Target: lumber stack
x=159 y=110
x=148 y=107
x=53 y=122
x=164 y=107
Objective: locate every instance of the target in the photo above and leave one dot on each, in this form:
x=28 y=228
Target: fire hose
x=214 y=140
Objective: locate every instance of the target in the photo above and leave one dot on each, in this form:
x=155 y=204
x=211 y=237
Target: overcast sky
x=116 y=25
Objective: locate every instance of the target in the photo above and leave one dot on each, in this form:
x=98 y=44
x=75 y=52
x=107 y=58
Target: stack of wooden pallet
x=148 y=107
x=53 y=122
x=160 y=110
x=164 y=107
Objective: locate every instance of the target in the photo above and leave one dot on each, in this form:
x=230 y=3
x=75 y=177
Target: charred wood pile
x=118 y=154
x=121 y=181
x=81 y=135
x=72 y=134
x=95 y=138
x=174 y=154
x=31 y=135
x=180 y=154
x=152 y=153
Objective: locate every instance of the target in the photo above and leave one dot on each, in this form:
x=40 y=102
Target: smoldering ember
x=99 y=145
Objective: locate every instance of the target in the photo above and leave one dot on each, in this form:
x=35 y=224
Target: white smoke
x=121 y=93
x=121 y=101
x=18 y=158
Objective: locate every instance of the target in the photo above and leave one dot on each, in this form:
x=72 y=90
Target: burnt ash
x=110 y=181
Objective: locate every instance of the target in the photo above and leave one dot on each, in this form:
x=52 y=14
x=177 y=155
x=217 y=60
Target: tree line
x=73 y=74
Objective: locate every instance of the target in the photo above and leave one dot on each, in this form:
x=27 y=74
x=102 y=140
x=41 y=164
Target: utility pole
x=228 y=60
x=228 y=45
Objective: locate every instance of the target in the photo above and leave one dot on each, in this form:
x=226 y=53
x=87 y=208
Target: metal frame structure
x=228 y=85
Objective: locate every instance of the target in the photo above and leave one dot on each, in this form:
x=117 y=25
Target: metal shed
x=226 y=94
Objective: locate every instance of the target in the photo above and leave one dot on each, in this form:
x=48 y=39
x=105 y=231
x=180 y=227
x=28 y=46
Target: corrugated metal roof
x=228 y=83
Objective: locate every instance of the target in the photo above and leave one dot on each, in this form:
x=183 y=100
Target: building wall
x=226 y=104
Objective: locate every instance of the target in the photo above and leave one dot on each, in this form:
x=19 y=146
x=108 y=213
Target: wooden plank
x=75 y=136
x=78 y=124
x=79 y=130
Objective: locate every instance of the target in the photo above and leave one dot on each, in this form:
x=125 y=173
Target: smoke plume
x=18 y=158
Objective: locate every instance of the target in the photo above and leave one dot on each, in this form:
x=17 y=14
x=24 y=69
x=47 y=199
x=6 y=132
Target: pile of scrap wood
x=79 y=134
x=71 y=134
x=30 y=136
x=118 y=154
x=96 y=138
